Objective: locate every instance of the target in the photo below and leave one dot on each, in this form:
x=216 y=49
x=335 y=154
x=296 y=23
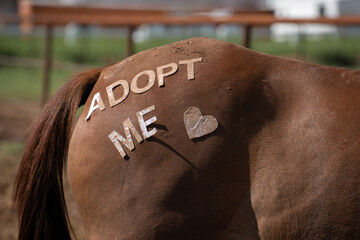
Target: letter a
x=93 y=107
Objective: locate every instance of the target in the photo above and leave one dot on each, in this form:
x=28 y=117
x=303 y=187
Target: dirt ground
x=15 y=117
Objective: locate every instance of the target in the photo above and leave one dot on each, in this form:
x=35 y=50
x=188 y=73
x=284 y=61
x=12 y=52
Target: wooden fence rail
x=50 y=16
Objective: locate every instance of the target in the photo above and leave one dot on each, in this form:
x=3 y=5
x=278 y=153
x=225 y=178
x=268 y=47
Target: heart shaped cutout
x=198 y=125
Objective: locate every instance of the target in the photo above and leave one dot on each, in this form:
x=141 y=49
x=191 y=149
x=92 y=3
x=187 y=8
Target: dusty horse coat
x=282 y=163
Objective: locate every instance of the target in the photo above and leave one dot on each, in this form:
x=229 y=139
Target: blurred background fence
x=42 y=40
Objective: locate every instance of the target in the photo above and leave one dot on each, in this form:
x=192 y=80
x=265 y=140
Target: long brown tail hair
x=38 y=193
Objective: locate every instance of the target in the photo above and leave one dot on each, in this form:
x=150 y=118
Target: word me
x=129 y=128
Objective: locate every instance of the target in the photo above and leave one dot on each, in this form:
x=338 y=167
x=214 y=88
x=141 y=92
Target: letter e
x=144 y=123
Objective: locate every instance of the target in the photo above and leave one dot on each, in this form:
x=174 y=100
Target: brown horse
x=199 y=139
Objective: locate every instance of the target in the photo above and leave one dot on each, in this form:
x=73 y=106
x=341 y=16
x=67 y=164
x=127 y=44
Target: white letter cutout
x=110 y=92
x=93 y=107
x=161 y=74
x=116 y=138
x=190 y=66
x=151 y=82
x=143 y=123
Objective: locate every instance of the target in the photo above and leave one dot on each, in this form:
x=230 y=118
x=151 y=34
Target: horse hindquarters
x=170 y=186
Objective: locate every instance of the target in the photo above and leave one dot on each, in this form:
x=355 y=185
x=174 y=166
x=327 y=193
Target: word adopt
x=171 y=68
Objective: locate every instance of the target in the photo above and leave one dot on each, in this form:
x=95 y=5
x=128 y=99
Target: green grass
x=85 y=50
x=342 y=52
x=100 y=51
x=11 y=148
x=96 y=51
x=25 y=83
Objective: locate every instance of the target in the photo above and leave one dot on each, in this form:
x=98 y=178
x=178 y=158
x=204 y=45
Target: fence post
x=130 y=41
x=247 y=35
x=47 y=63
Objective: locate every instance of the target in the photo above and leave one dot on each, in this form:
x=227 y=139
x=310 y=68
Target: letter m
x=116 y=138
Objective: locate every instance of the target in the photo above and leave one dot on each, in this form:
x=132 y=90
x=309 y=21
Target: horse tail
x=38 y=191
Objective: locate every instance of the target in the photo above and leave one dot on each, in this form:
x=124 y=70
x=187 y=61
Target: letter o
x=110 y=92
x=151 y=82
